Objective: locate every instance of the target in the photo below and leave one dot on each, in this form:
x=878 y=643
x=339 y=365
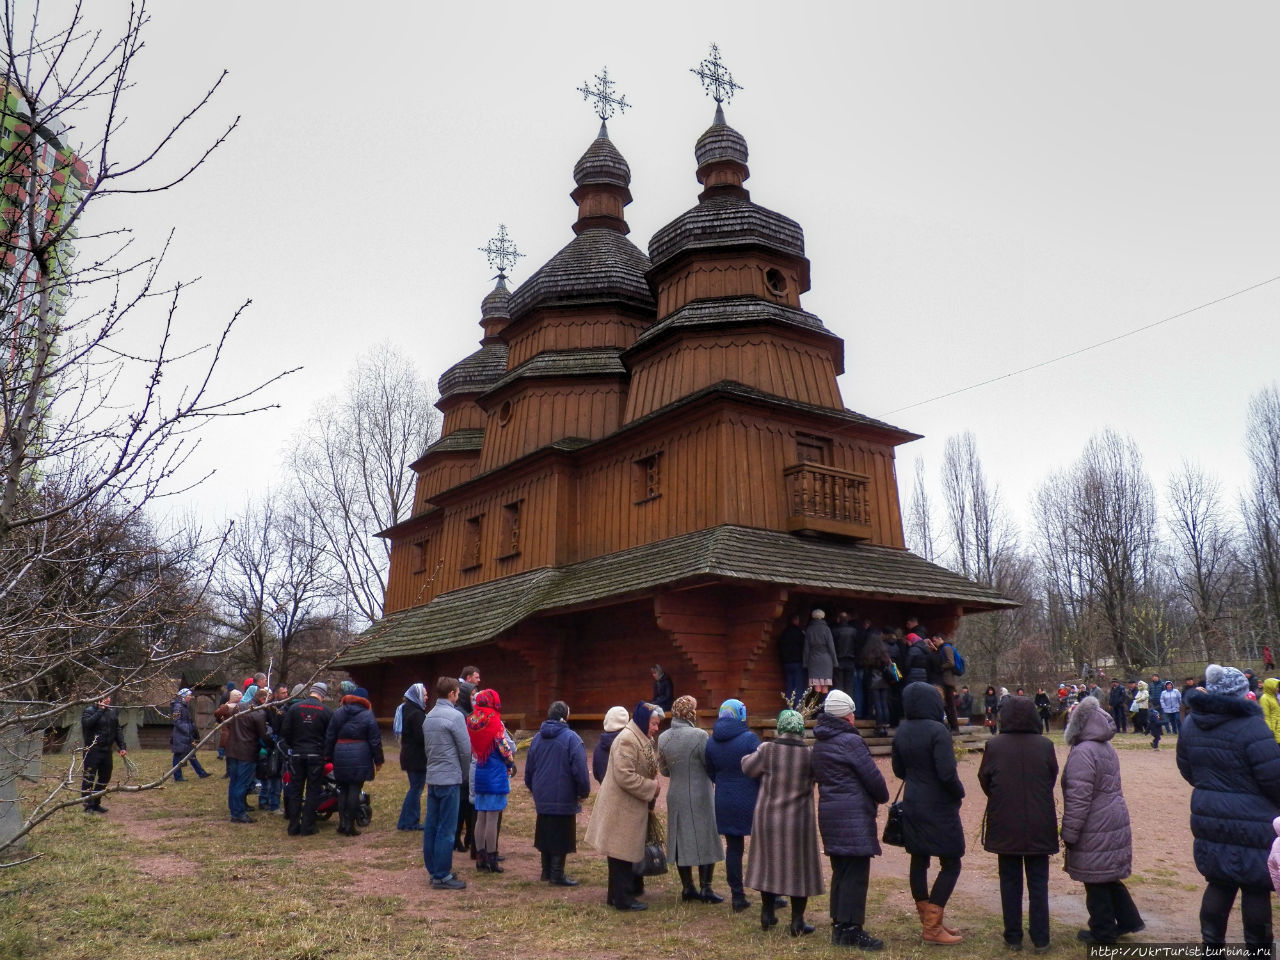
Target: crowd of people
x=725 y=785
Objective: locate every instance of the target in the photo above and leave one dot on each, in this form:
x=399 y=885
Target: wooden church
x=648 y=461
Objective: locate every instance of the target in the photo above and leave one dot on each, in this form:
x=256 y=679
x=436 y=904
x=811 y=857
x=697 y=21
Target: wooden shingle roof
x=476 y=373
x=596 y=265
x=726 y=222
x=478 y=614
x=589 y=362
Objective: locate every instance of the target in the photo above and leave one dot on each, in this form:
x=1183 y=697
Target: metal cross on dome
x=502 y=253
x=716 y=80
x=606 y=103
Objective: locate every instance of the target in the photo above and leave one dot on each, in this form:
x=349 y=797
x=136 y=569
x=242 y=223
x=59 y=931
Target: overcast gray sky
x=982 y=186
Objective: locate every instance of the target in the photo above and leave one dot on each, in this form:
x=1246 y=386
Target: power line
x=1092 y=346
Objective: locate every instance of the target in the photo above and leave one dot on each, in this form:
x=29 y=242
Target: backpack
x=959 y=660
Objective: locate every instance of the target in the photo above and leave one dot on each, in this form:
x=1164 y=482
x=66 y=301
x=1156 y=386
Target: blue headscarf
x=418 y=694
x=641 y=715
x=734 y=709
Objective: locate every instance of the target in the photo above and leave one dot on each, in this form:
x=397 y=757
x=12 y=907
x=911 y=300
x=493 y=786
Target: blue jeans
x=880 y=706
x=242 y=772
x=187 y=757
x=439 y=828
x=795 y=680
x=1173 y=720
x=272 y=787
x=411 y=809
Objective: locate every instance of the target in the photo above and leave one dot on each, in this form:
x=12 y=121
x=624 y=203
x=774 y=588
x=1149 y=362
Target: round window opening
x=504 y=413
x=776 y=281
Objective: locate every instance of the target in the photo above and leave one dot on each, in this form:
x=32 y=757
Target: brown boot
x=921 y=904
x=931 y=921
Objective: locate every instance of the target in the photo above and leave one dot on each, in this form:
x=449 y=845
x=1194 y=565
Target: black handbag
x=655 y=851
x=894 y=824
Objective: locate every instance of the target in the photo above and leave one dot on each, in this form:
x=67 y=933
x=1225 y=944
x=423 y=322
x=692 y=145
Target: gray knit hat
x=838 y=704
x=1227 y=681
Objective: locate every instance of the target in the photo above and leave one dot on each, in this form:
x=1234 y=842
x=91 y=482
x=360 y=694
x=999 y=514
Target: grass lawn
x=166 y=875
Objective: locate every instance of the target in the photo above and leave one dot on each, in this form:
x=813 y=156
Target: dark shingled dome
x=720 y=142
x=598 y=264
x=602 y=163
x=727 y=222
x=497 y=303
x=475 y=373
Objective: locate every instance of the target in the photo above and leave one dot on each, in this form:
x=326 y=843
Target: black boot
x=798 y=927
x=767 y=917
x=855 y=936
x=689 y=891
x=558 y=879
x=546 y=868
x=494 y=866
x=482 y=861
x=705 y=870
x=838 y=931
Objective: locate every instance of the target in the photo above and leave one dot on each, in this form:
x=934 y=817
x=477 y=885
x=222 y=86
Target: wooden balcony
x=826 y=500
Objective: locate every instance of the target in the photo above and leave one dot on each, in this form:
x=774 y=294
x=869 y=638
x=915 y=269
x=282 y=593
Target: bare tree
x=1096 y=525
x=273 y=589
x=1204 y=566
x=352 y=462
x=920 y=516
x=97 y=421
x=1261 y=504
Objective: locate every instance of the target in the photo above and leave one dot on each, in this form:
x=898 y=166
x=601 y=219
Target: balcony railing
x=827 y=500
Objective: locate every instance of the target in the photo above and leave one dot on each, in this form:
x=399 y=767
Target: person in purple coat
x=850 y=788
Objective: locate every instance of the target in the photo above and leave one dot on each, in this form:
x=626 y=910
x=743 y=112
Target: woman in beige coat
x=621 y=816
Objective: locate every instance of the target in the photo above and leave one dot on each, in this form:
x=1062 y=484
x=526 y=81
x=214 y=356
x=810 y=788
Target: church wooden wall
x=572 y=330
x=760 y=359
x=728 y=276
x=545 y=412
x=445 y=470
x=461 y=413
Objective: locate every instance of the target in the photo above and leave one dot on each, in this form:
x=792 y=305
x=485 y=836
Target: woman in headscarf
x=494 y=765
x=620 y=821
x=850 y=787
x=407 y=727
x=353 y=744
x=1227 y=753
x=692 y=838
x=1095 y=824
x=924 y=759
x=736 y=792
x=614 y=722
x=784 y=845
x=556 y=774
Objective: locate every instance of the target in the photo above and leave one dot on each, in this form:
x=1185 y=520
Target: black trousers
x=302 y=796
x=1121 y=716
x=349 y=800
x=97 y=774
x=1111 y=910
x=467 y=819
x=943 y=884
x=1037 y=871
x=733 y=850
x=850 y=878
x=621 y=878
x=1255 y=912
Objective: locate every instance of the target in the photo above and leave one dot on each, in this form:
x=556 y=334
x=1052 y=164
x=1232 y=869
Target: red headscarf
x=484 y=726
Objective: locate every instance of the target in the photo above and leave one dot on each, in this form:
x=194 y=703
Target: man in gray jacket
x=448 y=749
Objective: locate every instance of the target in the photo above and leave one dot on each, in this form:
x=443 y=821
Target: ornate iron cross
x=716 y=80
x=606 y=103
x=502 y=253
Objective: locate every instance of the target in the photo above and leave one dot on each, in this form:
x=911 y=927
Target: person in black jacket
x=850 y=787
x=556 y=775
x=100 y=725
x=1228 y=755
x=184 y=736
x=353 y=744
x=1118 y=701
x=924 y=758
x=663 y=693
x=1018 y=772
x=304 y=729
x=407 y=726
x=1043 y=708
x=791 y=653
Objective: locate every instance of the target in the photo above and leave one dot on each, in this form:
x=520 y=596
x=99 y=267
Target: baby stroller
x=328 y=804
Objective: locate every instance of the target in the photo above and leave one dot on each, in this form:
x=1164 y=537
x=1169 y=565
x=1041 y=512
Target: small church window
x=471 y=546
x=511 y=530
x=648 y=477
x=811 y=449
x=420 y=556
x=776 y=281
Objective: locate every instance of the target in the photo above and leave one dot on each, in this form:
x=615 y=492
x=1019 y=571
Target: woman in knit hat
x=1227 y=753
x=692 y=838
x=850 y=787
x=614 y=721
x=736 y=792
x=353 y=744
x=494 y=763
x=620 y=820
x=784 y=846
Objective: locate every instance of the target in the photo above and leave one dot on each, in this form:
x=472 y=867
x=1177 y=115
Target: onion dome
x=720 y=142
x=482 y=369
x=597 y=265
x=602 y=163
